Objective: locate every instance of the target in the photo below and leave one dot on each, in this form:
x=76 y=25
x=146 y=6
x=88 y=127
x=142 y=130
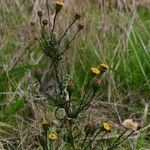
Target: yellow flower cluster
x=101 y=69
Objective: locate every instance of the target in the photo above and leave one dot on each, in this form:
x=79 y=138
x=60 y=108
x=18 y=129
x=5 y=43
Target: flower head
x=106 y=126
x=95 y=70
x=53 y=135
x=130 y=124
x=80 y=27
x=103 y=67
x=59 y=5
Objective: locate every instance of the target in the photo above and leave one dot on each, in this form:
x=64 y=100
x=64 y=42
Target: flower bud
x=39 y=13
x=130 y=124
x=45 y=22
x=77 y=16
x=58 y=6
x=80 y=27
x=32 y=23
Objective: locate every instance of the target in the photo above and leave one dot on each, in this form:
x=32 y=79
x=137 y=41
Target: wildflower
x=45 y=22
x=77 y=16
x=130 y=124
x=95 y=70
x=106 y=126
x=59 y=6
x=103 y=67
x=39 y=13
x=53 y=135
x=80 y=27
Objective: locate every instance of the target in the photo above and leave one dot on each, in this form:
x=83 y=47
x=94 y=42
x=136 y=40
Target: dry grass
x=117 y=32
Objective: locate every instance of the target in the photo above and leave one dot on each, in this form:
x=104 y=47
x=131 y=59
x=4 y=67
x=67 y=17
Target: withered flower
x=130 y=124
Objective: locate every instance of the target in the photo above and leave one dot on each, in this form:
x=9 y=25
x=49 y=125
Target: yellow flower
x=95 y=70
x=103 y=67
x=53 y=135
x=106 y=126
x=130 y=124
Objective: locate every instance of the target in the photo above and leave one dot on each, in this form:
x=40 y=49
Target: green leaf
x=17 y=105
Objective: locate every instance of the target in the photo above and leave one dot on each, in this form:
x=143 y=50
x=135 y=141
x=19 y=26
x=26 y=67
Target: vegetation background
x=116 y=32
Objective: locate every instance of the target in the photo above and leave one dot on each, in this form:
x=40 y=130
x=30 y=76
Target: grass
x=119 y=37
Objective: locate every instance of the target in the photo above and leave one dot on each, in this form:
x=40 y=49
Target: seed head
x=130 y=124
x=59 y=6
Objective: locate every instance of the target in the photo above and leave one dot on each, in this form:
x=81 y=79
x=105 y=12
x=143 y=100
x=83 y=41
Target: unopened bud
x=45 y=22
x=39 y=13
x=80 y=27
x=77 y=16
x=32 y=23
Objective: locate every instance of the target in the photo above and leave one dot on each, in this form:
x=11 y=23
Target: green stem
x=122 y=140
x=118 y=139
x=71 y=133
x=69 y=43
x=54 y=21
x=91 y=141
x=99 y=140
x=67 y=30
